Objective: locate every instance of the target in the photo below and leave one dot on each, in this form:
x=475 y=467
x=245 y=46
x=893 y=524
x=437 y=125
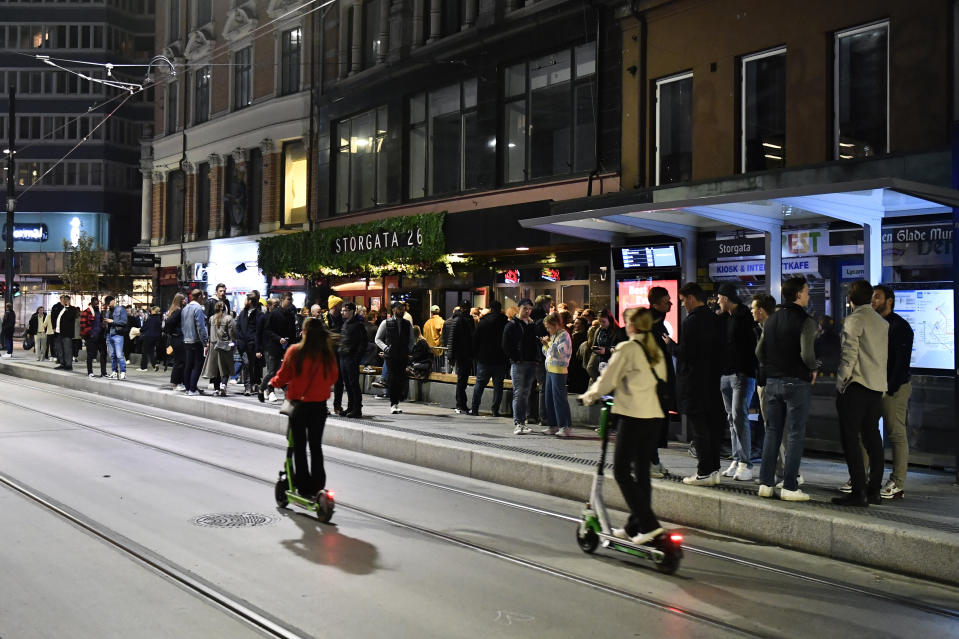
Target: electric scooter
x=285 y=493
x=665 y=550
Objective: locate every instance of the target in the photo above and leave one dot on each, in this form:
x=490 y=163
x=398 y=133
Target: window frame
x=865 y=28
x=380 y=143
x=285 y=64
x=678 y=77
x=782 y=50
x=201 y=115
x=235 y=76
x=173 y=89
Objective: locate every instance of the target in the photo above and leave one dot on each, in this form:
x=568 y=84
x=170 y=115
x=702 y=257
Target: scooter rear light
x=676 y=539
x=331 y=494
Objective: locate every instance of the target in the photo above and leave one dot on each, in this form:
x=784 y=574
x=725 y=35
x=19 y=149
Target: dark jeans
x=484 y=373
x=97 y=347
x=148 y=354
x=194 y=364
x=708 y=435
x=338 y=391
x=523 y=374
x=307 y=423
x=635 y=441
x=8 y=343
x=179 y=361
x=254 y=367
x=787 y=409
x=350 y=374
x=463 y=369
x=859 y=410
x=396 y=382
x=66 y=351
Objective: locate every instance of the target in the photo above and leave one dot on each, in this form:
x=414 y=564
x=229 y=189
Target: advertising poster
x=930 y=313
x=633 y=293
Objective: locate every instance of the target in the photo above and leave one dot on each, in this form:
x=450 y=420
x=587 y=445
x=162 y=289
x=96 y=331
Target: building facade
x=77 y=141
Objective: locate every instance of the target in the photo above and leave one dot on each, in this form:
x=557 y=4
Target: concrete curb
x=921 y=552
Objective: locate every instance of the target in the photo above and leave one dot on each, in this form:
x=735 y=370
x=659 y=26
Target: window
x=674 y=129
x=201 y=95
x=763 y=124
x=862 y=92
x=371 y=32
x=444 y=135
x=173 y=16
x=171 y=108
x=294 y=183
x=254 y=174
x=204 y=13
x=242 y=79
x=202 y=200
x=549 y=115
x=361 y=161
x=290 y=61
x=174 y=207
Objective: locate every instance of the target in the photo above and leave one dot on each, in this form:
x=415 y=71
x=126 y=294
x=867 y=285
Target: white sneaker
x=800 y=481
x=6 y=356
x=847 y=487
x=765 y=491
x=127 y=361
x=123 y=376
x=565 y=432
x=644 y=538
x=657 y=471
x=273 y=398
x=890 y=490
x=395 y=409
x=712 y=479
x=522 y=429
x=793 y=495
x=731 y=471
x=743 y=473
x=619 y=533
x=91 y=375
x=180 y=387
x=551 y=430
x=112 y=375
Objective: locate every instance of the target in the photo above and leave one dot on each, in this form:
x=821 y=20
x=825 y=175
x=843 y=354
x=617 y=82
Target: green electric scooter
x=665 y=550
x=285 y=493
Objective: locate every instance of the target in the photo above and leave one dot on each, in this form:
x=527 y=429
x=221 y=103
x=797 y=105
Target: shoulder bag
x=222 y=344
x=662 y=387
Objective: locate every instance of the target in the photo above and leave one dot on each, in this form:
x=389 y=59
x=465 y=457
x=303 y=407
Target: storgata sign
x=379 y=240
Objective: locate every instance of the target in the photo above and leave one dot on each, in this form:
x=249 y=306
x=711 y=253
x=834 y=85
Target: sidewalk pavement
x=917 y=535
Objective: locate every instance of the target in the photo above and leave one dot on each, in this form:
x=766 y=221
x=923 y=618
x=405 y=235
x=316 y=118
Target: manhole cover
x=234 y=520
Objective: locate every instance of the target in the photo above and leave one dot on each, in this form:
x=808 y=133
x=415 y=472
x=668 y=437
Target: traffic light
x=3 y=290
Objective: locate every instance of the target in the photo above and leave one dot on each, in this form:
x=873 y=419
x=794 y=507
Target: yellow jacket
x=433 y=331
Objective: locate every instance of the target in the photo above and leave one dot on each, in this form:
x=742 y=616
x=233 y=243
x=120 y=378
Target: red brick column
x=189 y=202
x=158 y=231
x=216 y=196
x=270 y=213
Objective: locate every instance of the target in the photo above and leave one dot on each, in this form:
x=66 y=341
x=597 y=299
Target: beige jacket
x=629 y=374
x=865 y=349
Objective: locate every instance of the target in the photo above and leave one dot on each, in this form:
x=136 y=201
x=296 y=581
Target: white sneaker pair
x=566 y=431
x=739 y=471
x=800 y=481
x=640 y=539
x=522 y=429
x=784 y=494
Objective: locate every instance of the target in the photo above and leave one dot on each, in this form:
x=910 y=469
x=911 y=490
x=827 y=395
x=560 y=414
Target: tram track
x=905 y=602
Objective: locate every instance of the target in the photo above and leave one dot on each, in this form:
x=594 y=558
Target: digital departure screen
x=930 y=313
x=648 y=256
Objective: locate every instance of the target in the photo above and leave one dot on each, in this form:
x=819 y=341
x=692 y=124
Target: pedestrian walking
x=860 y=384
x=219 y=357
x=523 y=349
x=394 y=337
x=491 y=361
x=557 y=350
x=195 y=339
x=94 y=337
x=697 y=380
x=633 y=374
x=786 y=355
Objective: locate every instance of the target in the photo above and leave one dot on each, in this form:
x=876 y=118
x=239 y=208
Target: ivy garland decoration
x=314 y=252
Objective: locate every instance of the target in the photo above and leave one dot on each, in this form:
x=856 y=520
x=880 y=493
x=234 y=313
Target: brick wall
x=216 y=197
x=159 y=209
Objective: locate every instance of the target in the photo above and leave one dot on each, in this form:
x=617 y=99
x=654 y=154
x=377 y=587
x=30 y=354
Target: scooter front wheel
x=279 y=492
x=587 y=539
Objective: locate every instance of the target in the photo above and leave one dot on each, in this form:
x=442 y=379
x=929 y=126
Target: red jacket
x=86 y=322
x=314 y=381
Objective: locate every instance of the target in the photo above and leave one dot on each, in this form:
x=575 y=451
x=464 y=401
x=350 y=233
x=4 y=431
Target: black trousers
x=97 y=347
x=338 y=391
x=254 y=367
x=708 y=435
x=179 y=361
x=859 y=410
x=148 y=352
x=635 y=441
x=464 y=367
x=307 y=423
x=350 y=374
x=194 y=365
x=396 y=381
x=66 y=351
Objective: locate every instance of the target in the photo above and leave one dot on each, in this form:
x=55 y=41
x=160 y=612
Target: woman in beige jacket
x=219 y=360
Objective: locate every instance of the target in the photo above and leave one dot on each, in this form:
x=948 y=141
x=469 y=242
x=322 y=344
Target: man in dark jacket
x=95 y=341
x=54 y=339
x=246 y=325
x=738 y=381
x=524 y=351
x=490 y=359
x=278 y=332
x=9 y=322
x=461 y=352
x=350 y=350
x=541 y=308
x=64 y=325
x=697 y=378
x=895 y=401
x=660 y=304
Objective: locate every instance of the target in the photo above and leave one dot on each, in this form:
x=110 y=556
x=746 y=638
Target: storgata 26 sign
x=379 y=240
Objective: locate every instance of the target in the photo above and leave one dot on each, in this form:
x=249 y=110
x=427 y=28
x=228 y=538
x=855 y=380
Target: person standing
x=54 y=337
x=895 y=401
x=334 y=323
x=219 y=359
x=557 y=351
x=395 y=338
x=433 y=333
x=542 y=307
x=738 y=380
x=523 y=349
x=633 y=373
x=860 y=383
x=461 y=352
x=261 y=344
x=9 y=323
x=577 y=380
x=490 y=360
x=659 y=304
x=116 y=321
x=149 y=338
x=49 y=337
x=278 y=332
x=65 y=328
x=174 y=328
x=307 y=371
x=246 y=323
x=91 y=330
x=195 y=338
x=697 y=377
x=786 y=354
x=351 y=348
x=36 y=326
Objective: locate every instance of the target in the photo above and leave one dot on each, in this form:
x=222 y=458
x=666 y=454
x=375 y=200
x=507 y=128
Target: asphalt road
x=427 y=558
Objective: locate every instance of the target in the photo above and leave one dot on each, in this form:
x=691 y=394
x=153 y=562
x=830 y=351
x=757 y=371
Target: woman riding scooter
x=308 y=371
x=632 y=374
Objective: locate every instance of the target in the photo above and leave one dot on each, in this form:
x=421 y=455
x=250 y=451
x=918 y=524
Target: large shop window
x=763 y=125
x=361 y=161
x=202 y=200
x=174 y=207
x=171 y=108
x=549 y=115
x=444 y=140
x=674 y=129
x=201 y=95
x=242 y=78
x=862 y=92
x=290 y=61
x=294 y=183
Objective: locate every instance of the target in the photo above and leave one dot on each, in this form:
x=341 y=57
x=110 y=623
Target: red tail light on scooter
x=676 y=539
x=331 y=494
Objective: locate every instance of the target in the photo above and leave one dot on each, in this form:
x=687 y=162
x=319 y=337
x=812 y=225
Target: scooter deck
x=615 y=543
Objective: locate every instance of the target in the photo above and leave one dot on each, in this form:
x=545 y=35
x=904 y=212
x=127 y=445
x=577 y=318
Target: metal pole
x=955 y=276
x=11 y=195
